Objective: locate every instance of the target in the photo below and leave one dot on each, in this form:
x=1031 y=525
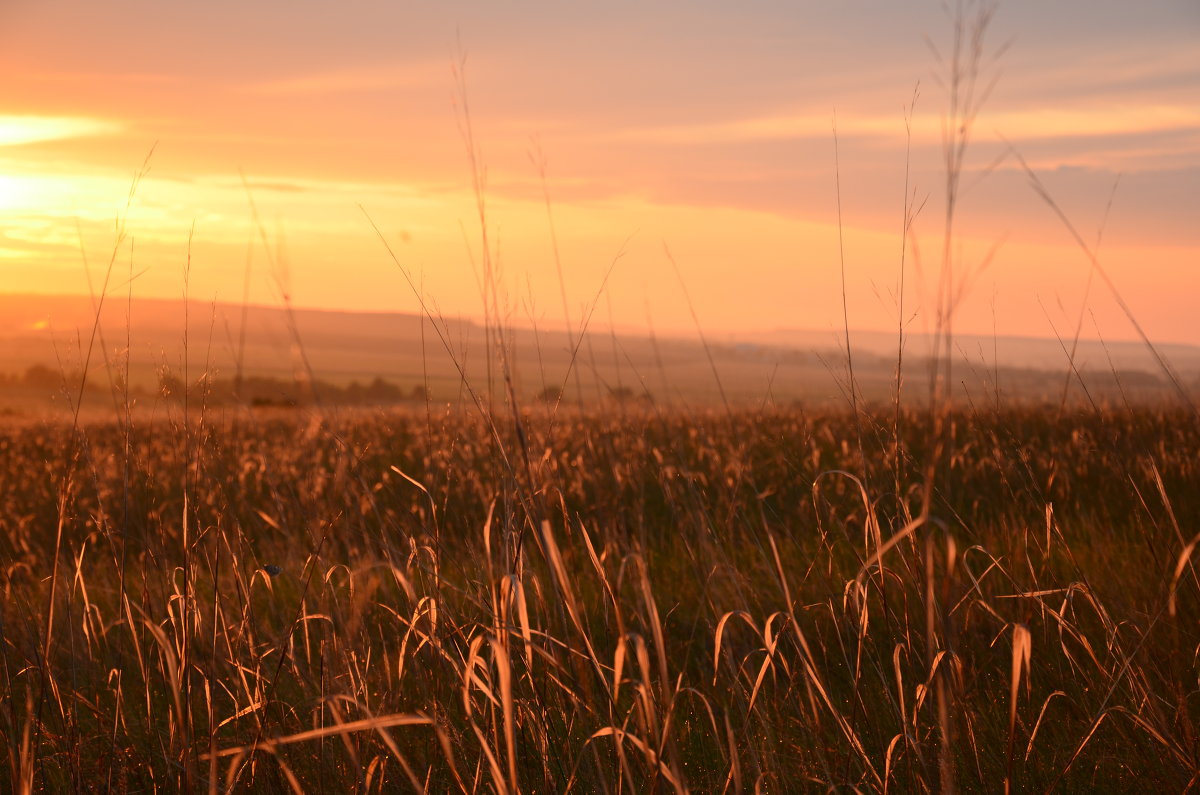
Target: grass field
x=602 y=601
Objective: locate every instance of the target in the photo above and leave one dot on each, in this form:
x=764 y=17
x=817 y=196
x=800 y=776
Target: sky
x=669 y=159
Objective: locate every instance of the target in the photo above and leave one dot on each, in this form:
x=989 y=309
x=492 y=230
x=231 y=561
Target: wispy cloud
x=1024 y=123
x=1095 y=122
x=92 y=78
x=356 y=79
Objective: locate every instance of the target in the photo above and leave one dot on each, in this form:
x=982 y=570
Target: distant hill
x=410 y=351
x=1024 y=352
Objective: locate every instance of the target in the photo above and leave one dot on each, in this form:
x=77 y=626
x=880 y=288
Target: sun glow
x=727 y=154
x=18 y=193
x=18 y=130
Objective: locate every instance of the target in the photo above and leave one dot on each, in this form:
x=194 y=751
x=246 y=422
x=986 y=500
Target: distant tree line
x=42 y=378
x=268 y=391
x=251 y=390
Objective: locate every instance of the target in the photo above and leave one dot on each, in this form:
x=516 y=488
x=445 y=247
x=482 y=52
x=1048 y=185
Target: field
x=480 y=598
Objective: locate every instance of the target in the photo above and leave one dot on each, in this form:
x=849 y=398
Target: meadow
x=616 y=599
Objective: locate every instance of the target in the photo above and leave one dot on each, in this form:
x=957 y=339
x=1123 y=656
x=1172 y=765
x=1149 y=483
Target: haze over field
x=704 y=128
x=412 y=352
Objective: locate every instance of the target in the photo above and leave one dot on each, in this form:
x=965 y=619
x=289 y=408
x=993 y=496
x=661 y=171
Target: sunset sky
x=705 y=128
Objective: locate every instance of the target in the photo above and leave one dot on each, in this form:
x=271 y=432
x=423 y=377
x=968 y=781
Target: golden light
x=18 y=193
x=18 y=130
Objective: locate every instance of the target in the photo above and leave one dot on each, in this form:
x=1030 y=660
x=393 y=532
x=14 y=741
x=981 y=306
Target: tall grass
x=342 y=614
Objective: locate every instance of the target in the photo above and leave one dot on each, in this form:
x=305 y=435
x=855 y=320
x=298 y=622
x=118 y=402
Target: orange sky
x=689 y=126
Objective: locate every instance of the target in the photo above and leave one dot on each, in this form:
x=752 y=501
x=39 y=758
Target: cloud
x=19 y=130
x=278 y=187
x=354 y=79
x=93 y=78
x=1016 y=124
x=1095 y=122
